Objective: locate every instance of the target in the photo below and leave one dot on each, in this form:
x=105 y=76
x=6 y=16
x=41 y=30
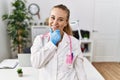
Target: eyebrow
x=59 y=17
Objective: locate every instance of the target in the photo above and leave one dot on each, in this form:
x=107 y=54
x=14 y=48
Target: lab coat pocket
x=69 y=61
x=70 y=64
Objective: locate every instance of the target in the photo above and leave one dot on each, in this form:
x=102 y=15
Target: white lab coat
x=52 y=59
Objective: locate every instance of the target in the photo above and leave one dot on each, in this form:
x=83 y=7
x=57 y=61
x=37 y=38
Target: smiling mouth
x=54 y=28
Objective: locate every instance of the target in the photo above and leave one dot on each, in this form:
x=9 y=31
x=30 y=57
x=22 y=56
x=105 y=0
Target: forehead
x=59 y=12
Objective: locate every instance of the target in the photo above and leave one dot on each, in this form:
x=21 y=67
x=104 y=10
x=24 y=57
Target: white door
x=106 y=30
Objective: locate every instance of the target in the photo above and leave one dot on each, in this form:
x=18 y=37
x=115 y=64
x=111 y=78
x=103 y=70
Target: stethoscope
x=70 y=56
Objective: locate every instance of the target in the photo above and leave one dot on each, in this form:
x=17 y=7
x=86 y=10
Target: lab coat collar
x=65 y=41
x=65 y=38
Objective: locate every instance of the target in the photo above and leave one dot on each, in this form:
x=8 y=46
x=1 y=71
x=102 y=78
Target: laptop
x=24 y=60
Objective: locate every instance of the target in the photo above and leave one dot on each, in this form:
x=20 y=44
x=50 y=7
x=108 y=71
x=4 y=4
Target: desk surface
x=30 y=73
x=91 y=71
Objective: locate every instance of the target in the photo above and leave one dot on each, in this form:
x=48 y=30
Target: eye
x=61 y=20
x=52 y=17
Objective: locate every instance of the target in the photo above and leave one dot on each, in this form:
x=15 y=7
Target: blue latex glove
x=55 y=36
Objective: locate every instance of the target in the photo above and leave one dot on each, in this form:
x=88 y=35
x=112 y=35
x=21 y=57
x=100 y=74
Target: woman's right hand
x=55 y=36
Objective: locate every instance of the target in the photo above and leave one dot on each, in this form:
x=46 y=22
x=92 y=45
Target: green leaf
x=17 y=21
x=4 y=17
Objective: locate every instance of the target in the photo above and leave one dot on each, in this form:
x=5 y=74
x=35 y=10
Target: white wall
x=4 y=41
x=81 y=10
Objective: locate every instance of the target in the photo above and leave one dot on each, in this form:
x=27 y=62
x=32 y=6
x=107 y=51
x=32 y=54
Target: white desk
x=30 y=73
x=92 y=73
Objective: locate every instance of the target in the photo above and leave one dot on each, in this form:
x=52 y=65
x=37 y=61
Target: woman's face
x=58 y=19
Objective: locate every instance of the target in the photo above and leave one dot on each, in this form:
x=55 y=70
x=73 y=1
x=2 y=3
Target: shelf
x=86 y=54
x=87 y=48
x=86 y=41
x=37 y=30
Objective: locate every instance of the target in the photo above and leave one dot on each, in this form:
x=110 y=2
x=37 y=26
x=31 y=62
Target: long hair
x=67 y=28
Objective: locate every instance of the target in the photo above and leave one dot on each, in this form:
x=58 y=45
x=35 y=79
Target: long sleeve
x=80 y=68
x=41 y=54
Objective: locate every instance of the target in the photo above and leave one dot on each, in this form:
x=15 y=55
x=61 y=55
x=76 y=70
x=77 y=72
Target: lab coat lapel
x=65 y=42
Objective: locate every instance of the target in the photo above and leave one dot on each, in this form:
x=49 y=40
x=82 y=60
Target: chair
x=24 y=60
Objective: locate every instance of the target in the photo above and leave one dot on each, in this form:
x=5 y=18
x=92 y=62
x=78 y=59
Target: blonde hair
x=67 y=28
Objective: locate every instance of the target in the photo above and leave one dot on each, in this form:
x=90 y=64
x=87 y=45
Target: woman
x=58 y=52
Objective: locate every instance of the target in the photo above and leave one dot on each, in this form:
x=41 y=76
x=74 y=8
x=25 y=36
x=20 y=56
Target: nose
x=55 y=22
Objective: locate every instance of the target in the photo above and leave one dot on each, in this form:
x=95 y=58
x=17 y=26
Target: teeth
x=53 y=28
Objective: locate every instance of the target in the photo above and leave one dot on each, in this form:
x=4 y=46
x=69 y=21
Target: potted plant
x=20 y=72
x=17 y=25
x=86 y=36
